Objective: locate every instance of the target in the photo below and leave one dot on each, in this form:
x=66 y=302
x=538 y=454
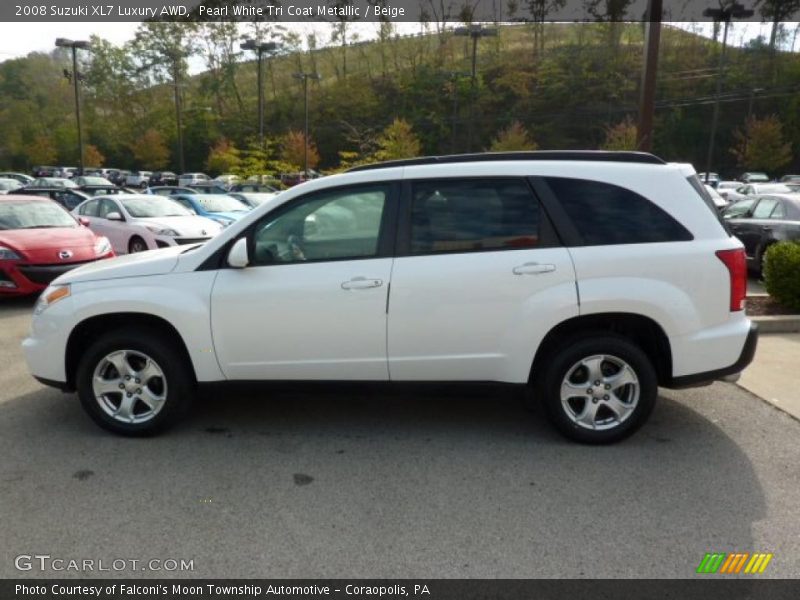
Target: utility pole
x=723 y=15
x=260 y=50
x=475 y=31
x=76 y=78
x=178 y=112
x=648 y=92
x=305 y=77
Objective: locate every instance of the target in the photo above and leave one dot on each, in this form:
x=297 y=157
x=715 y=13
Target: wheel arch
x=88 y=330
x=643 y=331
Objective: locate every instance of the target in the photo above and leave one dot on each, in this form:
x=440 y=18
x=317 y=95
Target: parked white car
x=746 y=190
x=227 y=179
x=9 y=185
x=138 y=222
x=192 y=178
x=587 y=279
x=139 y=179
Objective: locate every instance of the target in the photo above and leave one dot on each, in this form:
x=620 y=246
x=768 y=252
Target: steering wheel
x=295 y=249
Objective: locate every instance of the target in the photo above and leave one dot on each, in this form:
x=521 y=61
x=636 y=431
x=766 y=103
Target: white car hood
x=152 y=262
x=189 y=226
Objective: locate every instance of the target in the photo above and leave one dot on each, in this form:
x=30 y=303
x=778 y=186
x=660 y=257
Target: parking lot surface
x=275 y=482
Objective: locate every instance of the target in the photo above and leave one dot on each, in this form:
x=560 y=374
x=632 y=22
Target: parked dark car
x=760 y=222
x=68 y=198
x=162 y=178
x=171 y=190
x=118 y=176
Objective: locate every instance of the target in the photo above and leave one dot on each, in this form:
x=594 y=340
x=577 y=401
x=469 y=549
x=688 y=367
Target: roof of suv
x=574 y=155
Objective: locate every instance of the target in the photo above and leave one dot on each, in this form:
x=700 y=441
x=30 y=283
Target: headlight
x=50 y=296
x=102 y=246
x=8 y=254
x=162 y=231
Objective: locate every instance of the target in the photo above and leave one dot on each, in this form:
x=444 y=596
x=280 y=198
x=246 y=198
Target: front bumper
x=726 y=373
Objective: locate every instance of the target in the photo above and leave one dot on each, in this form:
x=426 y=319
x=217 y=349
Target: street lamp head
x=82 y=44
x=248 y=45
x=63 y=43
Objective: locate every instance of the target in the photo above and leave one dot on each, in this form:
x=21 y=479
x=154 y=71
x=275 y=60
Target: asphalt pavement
x=277 y=482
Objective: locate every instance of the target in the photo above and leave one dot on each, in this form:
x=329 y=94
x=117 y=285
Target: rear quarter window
x=606 y=214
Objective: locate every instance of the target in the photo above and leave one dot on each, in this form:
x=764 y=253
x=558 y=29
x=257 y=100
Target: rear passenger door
x=478 y=279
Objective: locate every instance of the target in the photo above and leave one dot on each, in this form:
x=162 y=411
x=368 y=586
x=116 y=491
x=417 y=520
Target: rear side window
x=468 y=215
x=90 y=209
x=606 y=214
x=764 y=208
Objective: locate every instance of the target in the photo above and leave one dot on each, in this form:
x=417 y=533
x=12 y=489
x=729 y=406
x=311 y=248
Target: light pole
x=260 y=49
x=305 y=77
x=648 y=92
x=76 y=76
x=454 y=76
x=724 y=15
x=474 y=31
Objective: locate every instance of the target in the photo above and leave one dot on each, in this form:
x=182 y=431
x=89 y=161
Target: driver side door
x=311 y=304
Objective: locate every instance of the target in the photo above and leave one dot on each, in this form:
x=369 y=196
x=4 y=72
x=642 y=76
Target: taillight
x=737 y=268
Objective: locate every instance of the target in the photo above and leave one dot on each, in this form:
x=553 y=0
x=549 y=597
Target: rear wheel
x=130 y=382
x=598 y=389
x=136 y=244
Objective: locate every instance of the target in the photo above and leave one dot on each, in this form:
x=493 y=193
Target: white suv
x=586 y=278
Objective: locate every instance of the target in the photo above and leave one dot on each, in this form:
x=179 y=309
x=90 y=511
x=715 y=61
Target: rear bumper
x=699 y=379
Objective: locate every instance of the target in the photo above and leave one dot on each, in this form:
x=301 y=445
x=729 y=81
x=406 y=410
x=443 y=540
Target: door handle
x=361 y=283
x=533 y=268
x=766 y=228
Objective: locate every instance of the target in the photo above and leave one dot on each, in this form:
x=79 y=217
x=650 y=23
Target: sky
x=19 y=39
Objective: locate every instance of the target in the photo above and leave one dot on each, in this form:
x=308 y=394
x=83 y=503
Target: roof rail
x=585 y=155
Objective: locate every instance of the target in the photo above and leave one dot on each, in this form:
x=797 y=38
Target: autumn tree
x=41 y=151
x=621 y=136
x=761 y=146
x=223 y=157
x=150 y=150
x=93 y=157
x=293 y=150
x=512 y=138
x=398 y=140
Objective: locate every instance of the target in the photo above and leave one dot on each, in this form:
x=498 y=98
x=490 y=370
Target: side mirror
x=114 y=216
x=84 y=221
x=237 y=255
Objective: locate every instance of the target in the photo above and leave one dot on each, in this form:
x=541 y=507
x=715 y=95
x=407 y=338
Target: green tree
x=512 y=138
x=150 y=151
x=397 y=141
x=761 y=146
x=621 y=136
x=223 y=157
x=41 y=151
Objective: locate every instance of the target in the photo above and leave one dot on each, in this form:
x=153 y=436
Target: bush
x=782 y=273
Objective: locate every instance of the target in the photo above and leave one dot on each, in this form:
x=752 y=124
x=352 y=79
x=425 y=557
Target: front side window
x=331 y=225
x=468 y=215
x=606 y=214
x=764 y=208
x=90 y=209
x=739 y=210
x=106 y=207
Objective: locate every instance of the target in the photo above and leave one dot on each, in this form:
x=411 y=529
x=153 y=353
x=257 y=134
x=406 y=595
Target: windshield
x=10 y=185
x=153 y=206
x=219 y=203
x=33 y=215
x=54 y=182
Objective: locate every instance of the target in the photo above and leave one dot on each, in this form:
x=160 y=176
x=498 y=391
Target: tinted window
x=764 y=208
x=779 y=212
x=469 y=215
x=608 y=214
x=331 y=225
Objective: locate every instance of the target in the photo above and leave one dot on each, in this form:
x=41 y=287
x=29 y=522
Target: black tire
x=178 y=380
x=546 y=386
x=137 y=244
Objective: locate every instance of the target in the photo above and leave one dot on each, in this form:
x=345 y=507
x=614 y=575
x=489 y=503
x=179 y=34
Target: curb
x=778 y=324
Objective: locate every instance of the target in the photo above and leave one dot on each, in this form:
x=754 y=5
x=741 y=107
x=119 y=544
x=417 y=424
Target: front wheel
x=132 y=383
x=598 y=389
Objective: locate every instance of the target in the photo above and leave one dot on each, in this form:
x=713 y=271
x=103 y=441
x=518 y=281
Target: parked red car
x=39 y=241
